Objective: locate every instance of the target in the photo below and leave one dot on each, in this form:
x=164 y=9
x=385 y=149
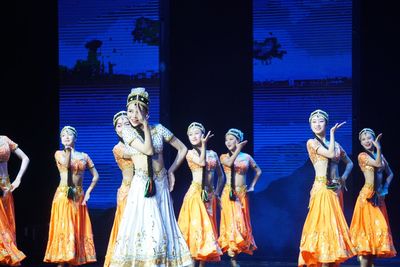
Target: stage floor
x=395 y=262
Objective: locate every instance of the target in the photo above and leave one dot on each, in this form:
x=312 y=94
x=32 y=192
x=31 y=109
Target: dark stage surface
x=277 y=263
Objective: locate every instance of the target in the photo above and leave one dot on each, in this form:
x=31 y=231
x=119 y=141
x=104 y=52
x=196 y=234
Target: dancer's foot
x=234 y=262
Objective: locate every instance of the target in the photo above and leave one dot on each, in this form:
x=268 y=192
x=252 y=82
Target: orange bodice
x=119 y=151
x=79 y=162
x=312 y=147
x=242 y=163
x=211 y=160
x=363 y=162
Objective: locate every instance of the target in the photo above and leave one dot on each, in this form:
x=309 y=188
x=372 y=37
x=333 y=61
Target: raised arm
x=330 y=152
x=377 y=162
x=229 y=160
x=131 y=136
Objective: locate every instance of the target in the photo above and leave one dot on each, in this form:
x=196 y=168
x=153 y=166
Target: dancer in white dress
x=178 y=253
x=141 y=239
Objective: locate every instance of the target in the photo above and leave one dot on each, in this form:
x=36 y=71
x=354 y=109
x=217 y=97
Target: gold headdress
x=319 y=112
x=196 y=125
x=236 y=133
x=138 y=95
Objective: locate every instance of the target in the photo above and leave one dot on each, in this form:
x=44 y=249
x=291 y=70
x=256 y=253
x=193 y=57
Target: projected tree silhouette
x=90 y=67
x=268 y=49
x=146 y=31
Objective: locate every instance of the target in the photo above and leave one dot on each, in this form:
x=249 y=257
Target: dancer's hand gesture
x=142 y=115
x=336 y=126
x=205 y=139
x=376 y=142
x=241 y=145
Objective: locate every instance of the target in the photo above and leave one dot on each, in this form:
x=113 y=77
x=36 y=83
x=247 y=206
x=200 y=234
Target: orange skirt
x=370 y=231
x=382 y=206
x=325 y=237
x=340 y=196
x=236 y=234
x=8 y=204
x=197 y=224
x=211 y=208
x=9 y=253
x=70 y=233
x=121 y=203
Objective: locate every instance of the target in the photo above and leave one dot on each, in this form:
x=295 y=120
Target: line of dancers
x=145 y=231
x=326 y=239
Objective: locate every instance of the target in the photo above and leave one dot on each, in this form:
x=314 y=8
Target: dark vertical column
x=211 y=69
x=30 y=117
x=379 y=89
x=353 y=183
x=165 y=107
x=164 y=62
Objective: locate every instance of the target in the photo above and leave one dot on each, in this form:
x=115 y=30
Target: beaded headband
x=118 y=115
x=196 y=125
x=319 y=112
x=366 y=130
x=236 y=133
x=71 y=129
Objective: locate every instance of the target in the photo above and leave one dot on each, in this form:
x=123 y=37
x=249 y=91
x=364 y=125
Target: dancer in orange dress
x=70 y=232
x=197 y=218
x=123 y=157
x=235 y=227
x=370 y=230
x=325 y=240
x=9 y=253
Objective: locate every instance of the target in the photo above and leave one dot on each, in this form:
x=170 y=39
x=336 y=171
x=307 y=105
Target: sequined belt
x=321 y=179
x=197 y=185
x=126 y=182
x=369 y=186
x=5 y=182
x=157 y=174
x=64 y=189
x=239 y=189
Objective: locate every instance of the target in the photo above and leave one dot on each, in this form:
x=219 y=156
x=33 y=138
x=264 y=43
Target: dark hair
x=203 y=177
x=374 y=199
x=232 y=193
x=150 y=189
